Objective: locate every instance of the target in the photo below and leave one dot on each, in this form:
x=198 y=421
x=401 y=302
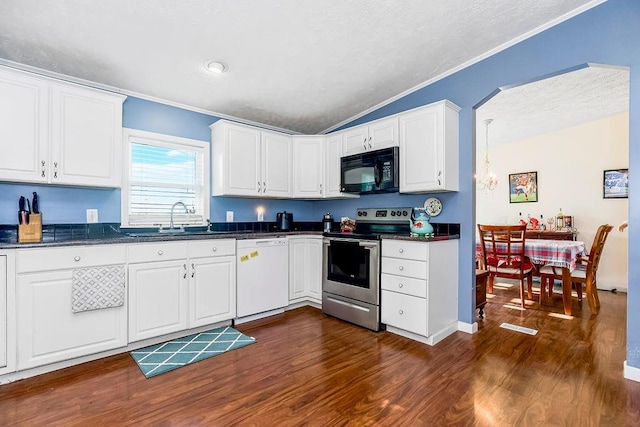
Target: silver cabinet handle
x=370 y=146
x=76 y=258
x=364 y=142
x=401 y=312
x=401 y=250
x=42 y=169
x=185 y=271
x=264 y=187
x=439 y=175
x=400 y=285
x=214 y=249
x=401 y=268
x=160 y=252
x=259 y=187
x=55 y=169
x=193 y=270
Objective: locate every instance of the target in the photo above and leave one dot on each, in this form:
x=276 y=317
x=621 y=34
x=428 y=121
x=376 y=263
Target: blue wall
x=607 y=34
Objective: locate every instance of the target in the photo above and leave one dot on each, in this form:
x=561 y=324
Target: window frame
x=134 y=135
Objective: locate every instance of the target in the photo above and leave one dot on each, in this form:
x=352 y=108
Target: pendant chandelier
x=488 y=180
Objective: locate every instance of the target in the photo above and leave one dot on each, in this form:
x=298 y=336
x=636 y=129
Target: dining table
x=555 y=253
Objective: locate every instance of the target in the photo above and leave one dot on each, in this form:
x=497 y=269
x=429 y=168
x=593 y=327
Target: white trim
x=127 y=134
x=469 y=63
x=631 y=373
x=469 y=328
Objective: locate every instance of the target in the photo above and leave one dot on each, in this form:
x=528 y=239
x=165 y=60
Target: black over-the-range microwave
x=370 y=172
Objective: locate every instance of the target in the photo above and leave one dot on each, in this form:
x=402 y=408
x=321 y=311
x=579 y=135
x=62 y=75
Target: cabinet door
x=297 y=269
x=404 y=311
x=86 y=137
x=356 y=140
x=48 y=331
x=157 y=299
x=24 y=128
x=383 y=134
x=3 y=311
x=212 y=296
x=333 y=152
x=235 y=160
x=314 y=268
x=421 y=150
x=308 y=171
x=276 y=165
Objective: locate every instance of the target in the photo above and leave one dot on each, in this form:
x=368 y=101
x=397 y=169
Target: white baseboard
x=631 y=373
x=252 y=317
x=469 y=328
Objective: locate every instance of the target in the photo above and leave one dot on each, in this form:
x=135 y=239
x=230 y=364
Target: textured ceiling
x=302 y=65
x=554 y=103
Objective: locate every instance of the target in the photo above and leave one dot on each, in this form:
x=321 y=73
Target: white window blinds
x=162 y=171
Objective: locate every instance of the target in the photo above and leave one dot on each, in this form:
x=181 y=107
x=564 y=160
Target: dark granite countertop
x=109 y=233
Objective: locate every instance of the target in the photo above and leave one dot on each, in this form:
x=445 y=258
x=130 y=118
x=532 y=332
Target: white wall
x=570 y=165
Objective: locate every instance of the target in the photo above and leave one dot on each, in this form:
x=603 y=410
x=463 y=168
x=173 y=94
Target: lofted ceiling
x=588 y=93
x=306 y=66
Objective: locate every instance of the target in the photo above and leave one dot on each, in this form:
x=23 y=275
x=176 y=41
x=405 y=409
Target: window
x=161 y=170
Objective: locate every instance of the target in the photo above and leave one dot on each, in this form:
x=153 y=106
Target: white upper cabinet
x=247 y=161
x=59 y=133
x=429 y=148
x=277 y=162
x=24 y=128
x=308 y=166
x=333 y=153
x=86 y=137
x=372 y=136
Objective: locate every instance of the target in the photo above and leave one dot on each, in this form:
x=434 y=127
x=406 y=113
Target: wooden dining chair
x=503 y=255
x=585 y=272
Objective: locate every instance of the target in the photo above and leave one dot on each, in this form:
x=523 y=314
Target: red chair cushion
x=516 y=262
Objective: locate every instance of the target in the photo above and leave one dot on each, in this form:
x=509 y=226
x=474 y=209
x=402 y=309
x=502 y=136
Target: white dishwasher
x=262 y=277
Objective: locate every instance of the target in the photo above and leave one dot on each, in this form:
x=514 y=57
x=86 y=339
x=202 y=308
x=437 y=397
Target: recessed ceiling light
x=215 y=67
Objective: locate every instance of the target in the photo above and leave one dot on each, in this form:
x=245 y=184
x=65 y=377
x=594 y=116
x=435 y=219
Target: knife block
x=32 y=232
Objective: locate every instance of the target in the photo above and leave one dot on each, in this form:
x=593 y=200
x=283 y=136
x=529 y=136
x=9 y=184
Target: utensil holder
x=32 y=232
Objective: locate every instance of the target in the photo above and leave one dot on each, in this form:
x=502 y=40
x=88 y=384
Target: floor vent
x=519 y=328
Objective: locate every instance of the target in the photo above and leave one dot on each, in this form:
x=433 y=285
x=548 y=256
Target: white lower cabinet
x=157 y=298
x=178 y=285
x=48 y=330
x=3 y=311
x=305 y=269
x=420 y=289
x=212 y=284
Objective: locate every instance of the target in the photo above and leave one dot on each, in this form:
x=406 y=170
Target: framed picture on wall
x=523 y=187
x=615 y=184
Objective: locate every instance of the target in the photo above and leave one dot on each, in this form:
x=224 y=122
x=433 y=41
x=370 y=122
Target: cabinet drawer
x=406 y=250
x=405 y=285
x=404 y=312
x=149 y=252
x=212 y=247
x=45 y=259
x=404 y=267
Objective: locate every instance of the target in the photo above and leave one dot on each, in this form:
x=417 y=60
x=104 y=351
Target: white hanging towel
x=95 y=288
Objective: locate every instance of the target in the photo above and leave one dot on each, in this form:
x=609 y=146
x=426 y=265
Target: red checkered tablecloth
x=557 y=253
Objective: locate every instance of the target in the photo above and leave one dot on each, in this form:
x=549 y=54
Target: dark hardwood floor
x=309 y=369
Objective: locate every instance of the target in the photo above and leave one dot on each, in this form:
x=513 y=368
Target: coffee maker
x=327 y=222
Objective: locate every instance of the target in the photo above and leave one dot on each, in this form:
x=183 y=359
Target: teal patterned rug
x=159 y=358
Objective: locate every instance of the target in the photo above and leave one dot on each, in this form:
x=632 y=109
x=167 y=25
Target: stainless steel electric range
x=351 y=265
